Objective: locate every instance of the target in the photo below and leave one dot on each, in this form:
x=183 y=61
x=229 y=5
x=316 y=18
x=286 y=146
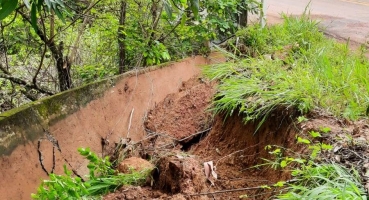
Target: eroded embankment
x=40 y=138
x=182 y=135
x=182 y=138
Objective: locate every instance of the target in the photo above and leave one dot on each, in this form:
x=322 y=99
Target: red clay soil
x=182 y=114
x=233 y=147
x=181 y=137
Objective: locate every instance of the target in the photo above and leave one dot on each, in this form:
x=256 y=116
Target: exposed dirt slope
x=181 y=136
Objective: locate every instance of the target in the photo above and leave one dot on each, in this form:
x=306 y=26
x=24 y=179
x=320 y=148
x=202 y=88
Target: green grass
x=324 y=181
x=316 y=72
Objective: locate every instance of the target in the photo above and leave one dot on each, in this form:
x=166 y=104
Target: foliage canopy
x=48 y=46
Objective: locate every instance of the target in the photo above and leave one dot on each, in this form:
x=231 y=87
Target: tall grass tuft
x=307 y=71
x=324 y=181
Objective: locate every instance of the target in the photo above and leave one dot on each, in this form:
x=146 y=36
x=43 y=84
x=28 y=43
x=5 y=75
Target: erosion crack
x=40 y=157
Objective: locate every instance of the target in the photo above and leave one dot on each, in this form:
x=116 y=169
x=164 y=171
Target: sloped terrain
x=181 y=138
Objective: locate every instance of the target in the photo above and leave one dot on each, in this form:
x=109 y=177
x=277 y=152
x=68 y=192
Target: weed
x=102 y=179
x=302 y=119
x=62 y=187
x=311 y=179
x=324 y=181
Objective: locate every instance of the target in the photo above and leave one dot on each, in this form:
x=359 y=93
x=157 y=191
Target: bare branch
x=34 y=79
x=75 y=20
x=4 y=70
x=24 y=83
x=81 y=29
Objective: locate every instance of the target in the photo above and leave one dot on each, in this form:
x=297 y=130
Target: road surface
x=342 y=19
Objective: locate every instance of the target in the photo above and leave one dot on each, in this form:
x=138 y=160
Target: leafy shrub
x=102 y=179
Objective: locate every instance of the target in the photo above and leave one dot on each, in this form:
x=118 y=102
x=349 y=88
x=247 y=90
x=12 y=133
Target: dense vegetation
x=102 y=179
x=272 y=69
x=51 y=46
x=292 y=66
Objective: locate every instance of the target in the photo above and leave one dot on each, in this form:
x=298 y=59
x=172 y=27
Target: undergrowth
x=101 y=180
x=311 y=178
x=324 y=181
x=292 y=65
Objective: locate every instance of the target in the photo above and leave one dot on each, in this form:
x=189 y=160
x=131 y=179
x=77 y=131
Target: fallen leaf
x=209 y=168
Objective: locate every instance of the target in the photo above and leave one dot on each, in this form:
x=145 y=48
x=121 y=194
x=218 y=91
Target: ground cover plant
x=293 y=66
x=311 y=178
x=101 y=180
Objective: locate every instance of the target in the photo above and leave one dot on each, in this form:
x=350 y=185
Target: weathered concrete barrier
x=40 y=137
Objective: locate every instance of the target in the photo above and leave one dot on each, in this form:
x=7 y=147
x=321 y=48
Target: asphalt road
x=342 y=19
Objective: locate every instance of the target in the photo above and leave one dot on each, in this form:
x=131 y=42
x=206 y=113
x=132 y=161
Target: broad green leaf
x=168 y=9
x=315 y=134
x=302 y=140
x=277 y=151
x=326 y=146
x=59 y=14
x=39 y=5
x=302 y=119
x=183 y=20
x=279 y=184
x=34 y=17
x=325 y=129
x=7 y=7
x=195 y=7
x=283 y=163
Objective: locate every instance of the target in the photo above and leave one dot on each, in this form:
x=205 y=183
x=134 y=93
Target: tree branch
x=24 y=83
x=162 y=38
x=74 y=21
x=34 y=79
x=50 y=43
x=81 y=29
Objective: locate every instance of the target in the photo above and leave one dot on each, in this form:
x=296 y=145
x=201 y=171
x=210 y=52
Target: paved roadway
x=340 y=18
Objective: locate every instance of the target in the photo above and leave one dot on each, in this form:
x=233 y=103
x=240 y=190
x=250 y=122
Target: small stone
x=366 y=165
x=337 y=148
x=337 y=158
x=367 y=187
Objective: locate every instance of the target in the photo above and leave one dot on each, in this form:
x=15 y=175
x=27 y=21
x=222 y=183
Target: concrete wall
x=41 y=137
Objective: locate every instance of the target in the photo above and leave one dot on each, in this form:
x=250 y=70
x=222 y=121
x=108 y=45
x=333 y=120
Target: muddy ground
x=183 y=137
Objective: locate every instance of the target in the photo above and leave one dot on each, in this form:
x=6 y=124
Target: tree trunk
x=242 y=18
x=122 y=37
x=65 y=80
x=62 y=65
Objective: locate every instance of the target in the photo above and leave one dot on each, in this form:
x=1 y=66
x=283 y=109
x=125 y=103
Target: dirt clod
x=134 y=163
x=180 y=175
x=183 y=114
